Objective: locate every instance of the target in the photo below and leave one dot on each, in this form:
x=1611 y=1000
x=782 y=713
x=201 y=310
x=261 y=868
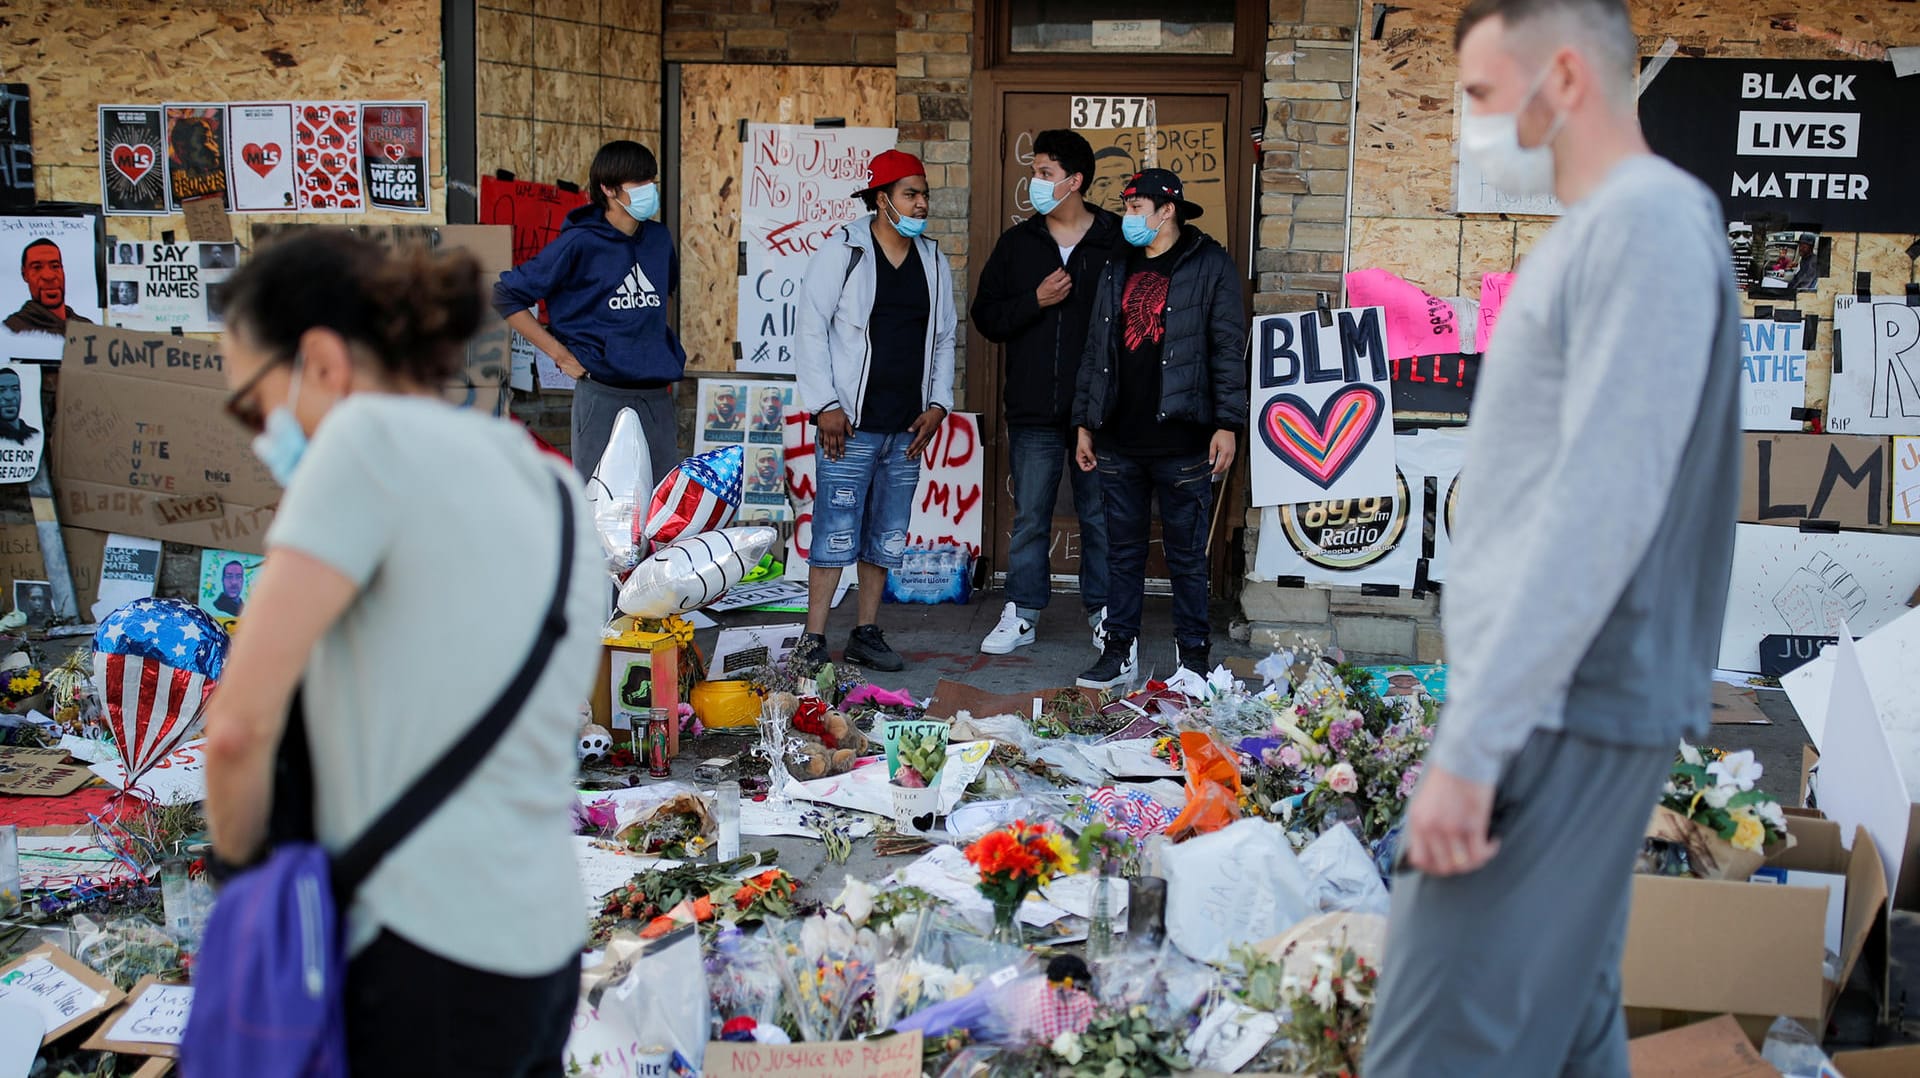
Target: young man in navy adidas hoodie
x=605 y=280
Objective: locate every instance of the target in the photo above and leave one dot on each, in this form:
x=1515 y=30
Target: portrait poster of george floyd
x=49 y=275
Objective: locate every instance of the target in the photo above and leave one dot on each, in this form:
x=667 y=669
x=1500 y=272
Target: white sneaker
x=1100 y=644
x=1013 y=631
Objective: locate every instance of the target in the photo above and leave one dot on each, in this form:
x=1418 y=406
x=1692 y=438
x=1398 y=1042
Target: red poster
x=395 y=139
x=326 y=157
x=535 y=210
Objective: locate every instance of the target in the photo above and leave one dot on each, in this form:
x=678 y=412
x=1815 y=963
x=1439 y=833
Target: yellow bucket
x=726 y=705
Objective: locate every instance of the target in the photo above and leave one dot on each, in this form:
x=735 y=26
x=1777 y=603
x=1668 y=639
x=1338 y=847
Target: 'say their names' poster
x=750 y=414
x=394 y=137
x=133 y=161
x=196 y=153
x=55 y=283
x=164 y=286
x=262 y=157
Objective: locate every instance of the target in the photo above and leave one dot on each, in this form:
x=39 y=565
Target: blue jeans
x=1036 y=456
x=1184 y=485
x=864 y=501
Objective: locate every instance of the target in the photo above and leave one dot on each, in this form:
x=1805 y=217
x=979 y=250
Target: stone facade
x=934 y=111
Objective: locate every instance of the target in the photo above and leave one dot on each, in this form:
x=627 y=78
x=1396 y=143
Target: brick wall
x=782 y=31
x=934 y=110
x=1306 y=156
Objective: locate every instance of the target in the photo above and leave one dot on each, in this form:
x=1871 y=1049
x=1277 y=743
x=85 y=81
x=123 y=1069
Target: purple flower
x=1289 y=756
x=1340 y=732
x=1409 y=780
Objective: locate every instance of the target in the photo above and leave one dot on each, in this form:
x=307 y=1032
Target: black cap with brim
x=1158 y=182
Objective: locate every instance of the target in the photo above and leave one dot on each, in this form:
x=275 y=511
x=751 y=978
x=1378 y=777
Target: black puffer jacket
x=1043 y=345
x=1204 y=377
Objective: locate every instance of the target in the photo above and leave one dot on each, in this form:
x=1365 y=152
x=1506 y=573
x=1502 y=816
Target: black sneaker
x=1195 y=658
x=811 y=651
x=866 y=647
x=1112 y=668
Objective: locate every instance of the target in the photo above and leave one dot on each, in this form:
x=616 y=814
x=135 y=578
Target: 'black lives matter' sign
x=1818 y=142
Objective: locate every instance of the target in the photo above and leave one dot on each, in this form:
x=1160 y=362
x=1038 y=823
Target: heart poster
x=395 y=140
x=260 y=155
x=133 y=170
x=1322 y=407
x=326 y=157
x=196 y=153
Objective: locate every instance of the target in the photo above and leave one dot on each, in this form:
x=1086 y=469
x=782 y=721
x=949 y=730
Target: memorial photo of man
x=45 y=310
x=34 y=598
x=772 y=413
x=233 y=589
x=13 y=428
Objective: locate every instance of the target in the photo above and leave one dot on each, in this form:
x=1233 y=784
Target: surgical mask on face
x=1493 y=144
x=281 y=442
x=906 y=226
x=643 y=201
x=1041 y=194
x=1135 y=229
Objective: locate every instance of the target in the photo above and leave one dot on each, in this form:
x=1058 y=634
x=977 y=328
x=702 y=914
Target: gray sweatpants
x=1515 y=969
x=595 y=407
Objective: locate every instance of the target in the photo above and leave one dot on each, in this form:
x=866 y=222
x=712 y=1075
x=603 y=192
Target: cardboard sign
x=20 y=559
x=796 y=192
x=394 y=137
x=1714 y=1049
x=1441 y=385
x=897 y=1056
x=1418 y=323
x=161 y=286
x=1321 y=414
x=1788 y=478
x=535 y=211
x=1876 y=367
x=196 y=144
x=1805 y=140
x=1906 y=480
x=40 y=773
x=16 y=147
x=133 y=164
x=1810 y=583
x=1783 y=653
x=151 y=1023
x=141 y=425
x=1773 y=365
x=62 y=990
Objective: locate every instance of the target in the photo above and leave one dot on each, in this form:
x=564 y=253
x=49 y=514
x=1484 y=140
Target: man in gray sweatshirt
x=1595 y=538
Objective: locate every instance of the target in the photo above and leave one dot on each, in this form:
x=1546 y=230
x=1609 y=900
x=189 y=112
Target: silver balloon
x=689 y=573
x=621 y=486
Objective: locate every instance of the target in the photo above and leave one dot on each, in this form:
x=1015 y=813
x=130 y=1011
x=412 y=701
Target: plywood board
x=714 y=98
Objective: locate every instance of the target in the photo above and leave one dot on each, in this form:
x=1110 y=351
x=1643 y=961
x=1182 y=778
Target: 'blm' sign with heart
x=1322 y=409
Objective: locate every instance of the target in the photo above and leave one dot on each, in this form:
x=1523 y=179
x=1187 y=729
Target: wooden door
x=1188 y=132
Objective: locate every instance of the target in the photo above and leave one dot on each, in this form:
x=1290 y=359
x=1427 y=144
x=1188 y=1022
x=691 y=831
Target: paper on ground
x=1128 y=759
x=87 y=750
x=179 y=779
x=766 y=819
x=944 y=873
x=1075 y=895
x=603 y=869
x=1859 y=783
x=1891 y=658
x=865 y=788
x=1230 y=1036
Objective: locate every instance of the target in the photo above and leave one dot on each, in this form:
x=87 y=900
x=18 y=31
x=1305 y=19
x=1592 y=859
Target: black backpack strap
x=465 y=755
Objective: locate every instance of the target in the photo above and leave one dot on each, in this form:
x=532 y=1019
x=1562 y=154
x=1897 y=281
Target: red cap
x=889 y=166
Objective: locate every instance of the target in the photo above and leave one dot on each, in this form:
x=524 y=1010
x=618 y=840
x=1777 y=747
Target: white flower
x=1351 y=991
x=856 y=899
x=1737 y=769
x=1067 y=1046
x=1689 y=755
x=1718 y=796
x=1771 y=815
x=1322 y=992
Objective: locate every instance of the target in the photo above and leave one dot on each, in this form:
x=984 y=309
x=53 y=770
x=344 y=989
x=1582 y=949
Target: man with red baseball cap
x=873 y=358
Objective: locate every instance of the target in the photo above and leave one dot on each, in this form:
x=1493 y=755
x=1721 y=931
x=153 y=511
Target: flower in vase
x=1748 y=832
x=1341 y=779
x=1736 y=769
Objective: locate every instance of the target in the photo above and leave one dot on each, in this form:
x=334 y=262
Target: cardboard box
x=1902 y=1062
x=142 y=444
x=1906 y=892
x=1714 y=1049
x=1752 y=950
x=639 y=671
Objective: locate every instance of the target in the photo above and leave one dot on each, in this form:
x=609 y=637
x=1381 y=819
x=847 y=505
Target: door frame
x=1099 y=74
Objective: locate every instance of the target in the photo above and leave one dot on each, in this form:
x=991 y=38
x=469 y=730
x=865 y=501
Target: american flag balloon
x=700 y=495
x=154 y=663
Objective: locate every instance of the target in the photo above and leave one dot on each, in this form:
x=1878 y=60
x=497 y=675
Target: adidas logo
x=635 y=291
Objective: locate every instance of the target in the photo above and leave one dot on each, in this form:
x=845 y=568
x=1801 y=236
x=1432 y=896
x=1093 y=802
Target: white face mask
x=1493 y=143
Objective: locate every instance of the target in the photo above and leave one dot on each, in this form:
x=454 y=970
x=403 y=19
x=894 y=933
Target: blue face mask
x=281 y=443
x=1040 y=193
x=906 y=226
x=1136 y=230
x=644 y=201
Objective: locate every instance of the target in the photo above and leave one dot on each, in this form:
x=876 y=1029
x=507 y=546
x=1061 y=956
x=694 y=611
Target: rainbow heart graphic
x=1322 y=444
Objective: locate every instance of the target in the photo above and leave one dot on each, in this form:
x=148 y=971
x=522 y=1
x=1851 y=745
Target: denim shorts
x=863 y=501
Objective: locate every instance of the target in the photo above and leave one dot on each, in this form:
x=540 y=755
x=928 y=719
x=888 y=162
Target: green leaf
x=1749 y=797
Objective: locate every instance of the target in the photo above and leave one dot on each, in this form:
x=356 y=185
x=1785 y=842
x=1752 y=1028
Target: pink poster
x=1418 y=324
x=1493 y=295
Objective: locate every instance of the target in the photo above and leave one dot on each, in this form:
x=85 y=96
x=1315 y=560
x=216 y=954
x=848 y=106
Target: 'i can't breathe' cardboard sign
x=1321 y=410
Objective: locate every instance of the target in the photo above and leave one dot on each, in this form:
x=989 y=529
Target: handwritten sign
x=1788 y=478
x=1437 y=385
x=161 y=286
x=1773 y=365
x=1493 y=296
x=1906 y=480
x=795 y=193
x=894 y=1057
x=1876 y=369
x=63 y=862
x=1194 y=152
x=179 y=779
x=65 y=993
x=535 y=211
x=1418 y=324
x=154 y=1019
x=1322 y=417
x=947 y=508
x=39 y=773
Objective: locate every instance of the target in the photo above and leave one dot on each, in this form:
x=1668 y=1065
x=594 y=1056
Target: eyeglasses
x=242 y=406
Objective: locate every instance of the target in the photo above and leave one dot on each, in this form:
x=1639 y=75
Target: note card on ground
x=150 y=1024
x=889 y=1057
x=1322 y=417
x=61 y=988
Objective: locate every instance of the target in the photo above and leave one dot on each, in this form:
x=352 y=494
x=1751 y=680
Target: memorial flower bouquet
x=1013 y=861
x=1341 y=770
x=1712 y=807
x=1328 y=1013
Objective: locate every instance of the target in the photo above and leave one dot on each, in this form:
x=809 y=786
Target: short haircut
x=1070 y=149
x=871 y=196
x=42 y=242
x=1181 y=214
x=619 y=163
x=233 y=565
x=1603 y=29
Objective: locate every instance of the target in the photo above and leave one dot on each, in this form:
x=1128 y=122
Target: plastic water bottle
x=728 y=813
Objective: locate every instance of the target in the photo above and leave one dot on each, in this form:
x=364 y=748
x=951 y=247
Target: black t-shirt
x=897 y=331
x=1136 y=427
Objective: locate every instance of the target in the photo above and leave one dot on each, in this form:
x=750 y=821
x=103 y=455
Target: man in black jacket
x=1035 y=297
x=1162 y=394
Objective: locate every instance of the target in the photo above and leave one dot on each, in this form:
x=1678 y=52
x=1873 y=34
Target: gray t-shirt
x=449 y=522
x=1602 y=476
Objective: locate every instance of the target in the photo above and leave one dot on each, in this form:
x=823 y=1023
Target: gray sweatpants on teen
x=1514 y=970
x=596 y=406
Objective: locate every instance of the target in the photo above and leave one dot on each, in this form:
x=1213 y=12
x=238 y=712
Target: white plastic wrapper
x=1235 y=887
x=1344 y=879
x=635 y=997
